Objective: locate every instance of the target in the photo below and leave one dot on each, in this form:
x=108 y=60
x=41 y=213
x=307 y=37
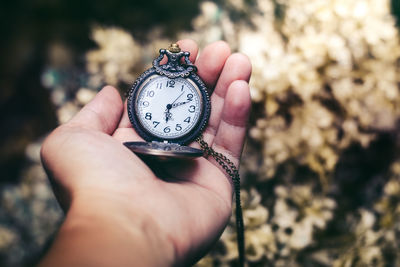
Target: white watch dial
x=168 y=108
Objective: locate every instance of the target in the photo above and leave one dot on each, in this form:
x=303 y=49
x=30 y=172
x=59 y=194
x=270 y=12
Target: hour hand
x=180 y=104
x=168 y=115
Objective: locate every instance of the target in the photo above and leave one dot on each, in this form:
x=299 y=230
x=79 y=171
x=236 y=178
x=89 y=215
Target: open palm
x=191 y=203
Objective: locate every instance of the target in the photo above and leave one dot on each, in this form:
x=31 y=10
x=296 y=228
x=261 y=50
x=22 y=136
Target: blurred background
x=321 y=167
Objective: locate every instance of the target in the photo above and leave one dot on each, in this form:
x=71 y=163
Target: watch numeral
x=148 y=116
x=167 y=129
x=156 y=123
x=159 y=86
x=187 y=120
x=145 y=103
x=170 y=83
x=192 y=108
x=178 y=127
x=150 y=93
x=190 y=97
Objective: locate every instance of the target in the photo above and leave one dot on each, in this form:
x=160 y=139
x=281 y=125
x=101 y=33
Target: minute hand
x=180 y=104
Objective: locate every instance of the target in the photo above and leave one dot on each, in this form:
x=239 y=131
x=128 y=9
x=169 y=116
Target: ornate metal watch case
x=169 y=106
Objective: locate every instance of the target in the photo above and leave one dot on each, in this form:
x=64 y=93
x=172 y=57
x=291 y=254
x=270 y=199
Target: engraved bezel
x=148 y=136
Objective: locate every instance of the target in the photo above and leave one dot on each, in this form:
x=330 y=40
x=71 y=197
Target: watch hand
x=168 y=115
x=177 y=98
x=179 y=104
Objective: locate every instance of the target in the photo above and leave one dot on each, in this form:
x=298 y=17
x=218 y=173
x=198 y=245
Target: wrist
x=109 y=231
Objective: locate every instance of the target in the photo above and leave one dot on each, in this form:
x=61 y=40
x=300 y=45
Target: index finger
x=211 y=62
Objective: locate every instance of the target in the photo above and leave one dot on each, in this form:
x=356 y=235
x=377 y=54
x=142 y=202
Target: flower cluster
x=115 y=57
x=29 y=214
x=295 y=217
x=327 y=76
x=376 y=231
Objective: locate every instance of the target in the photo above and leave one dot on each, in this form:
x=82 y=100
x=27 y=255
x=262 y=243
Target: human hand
x=97 y=179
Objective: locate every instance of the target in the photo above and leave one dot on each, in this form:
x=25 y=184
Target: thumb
x=103 y=113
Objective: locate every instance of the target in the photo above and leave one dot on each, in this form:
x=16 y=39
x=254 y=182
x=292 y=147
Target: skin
x=119 y=213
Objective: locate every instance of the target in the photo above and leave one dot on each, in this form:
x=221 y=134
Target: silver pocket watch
x=169 y=107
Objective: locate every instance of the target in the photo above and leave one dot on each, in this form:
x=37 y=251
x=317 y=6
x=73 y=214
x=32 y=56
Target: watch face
x=168 y=109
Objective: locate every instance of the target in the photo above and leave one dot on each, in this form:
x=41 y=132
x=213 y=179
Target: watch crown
x=174 y=48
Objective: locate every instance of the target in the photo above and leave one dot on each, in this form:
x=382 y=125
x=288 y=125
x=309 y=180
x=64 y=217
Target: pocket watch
x=168 y=106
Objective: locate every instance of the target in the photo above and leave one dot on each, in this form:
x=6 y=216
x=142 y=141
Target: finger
x=232 y=128
x=211 y=61
x=237 y=67
x=186 y=45
x=103 y=113
x=126 y=135
x=189 y=46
